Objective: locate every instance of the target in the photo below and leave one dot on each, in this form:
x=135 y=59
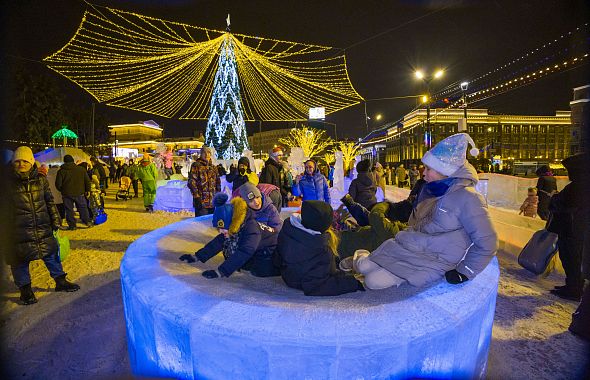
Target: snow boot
x=26 y=295
x=63 y=285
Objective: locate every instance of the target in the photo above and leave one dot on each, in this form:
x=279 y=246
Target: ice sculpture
x=173 y=196
x=296 y=161
x=338 y=183
x=181 y=325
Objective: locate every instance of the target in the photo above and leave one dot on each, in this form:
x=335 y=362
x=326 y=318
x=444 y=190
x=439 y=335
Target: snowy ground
x=82 y=335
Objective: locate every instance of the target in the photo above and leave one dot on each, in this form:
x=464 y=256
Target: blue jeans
x=22 y=277
x=82 y=207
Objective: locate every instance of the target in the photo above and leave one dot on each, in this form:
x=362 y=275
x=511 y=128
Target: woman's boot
x=26 y=295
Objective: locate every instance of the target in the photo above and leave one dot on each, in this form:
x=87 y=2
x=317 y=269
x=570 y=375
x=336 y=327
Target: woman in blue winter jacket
x=311 y=185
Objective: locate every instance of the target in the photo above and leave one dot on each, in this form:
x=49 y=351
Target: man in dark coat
x=546 y=187
x=73 y=183
x=274 y=174
x=569 y=211
x=33 y=217
x=580 y=325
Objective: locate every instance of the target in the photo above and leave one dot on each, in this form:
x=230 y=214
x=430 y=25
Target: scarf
x=427 y=200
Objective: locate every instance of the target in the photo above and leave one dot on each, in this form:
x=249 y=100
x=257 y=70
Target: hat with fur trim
x=449 y=154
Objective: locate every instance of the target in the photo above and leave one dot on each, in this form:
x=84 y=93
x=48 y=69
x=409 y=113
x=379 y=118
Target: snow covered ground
x=82 y=335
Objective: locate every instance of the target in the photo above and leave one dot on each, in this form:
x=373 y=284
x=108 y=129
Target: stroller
x=124 y=186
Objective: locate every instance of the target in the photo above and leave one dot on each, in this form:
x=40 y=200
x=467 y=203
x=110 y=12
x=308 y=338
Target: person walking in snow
x=246 y=243
x=449 y=234
x=204 y=183
x=148 y=174
x=33 y=219
x=529 y=206
x=73 y=183
x=306 y=253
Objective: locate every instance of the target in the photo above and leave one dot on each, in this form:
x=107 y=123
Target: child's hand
x=211 y=273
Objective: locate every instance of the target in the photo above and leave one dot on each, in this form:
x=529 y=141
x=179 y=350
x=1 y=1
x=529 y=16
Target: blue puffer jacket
x=312 y=187
x=256 y=243
x=268 y=214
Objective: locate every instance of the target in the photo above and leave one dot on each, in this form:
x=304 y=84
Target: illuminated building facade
x=144 y=136
x=504 y=137
x=266 y=140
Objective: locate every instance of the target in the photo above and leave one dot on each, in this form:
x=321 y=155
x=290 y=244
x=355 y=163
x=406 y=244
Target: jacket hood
x=366 y=179
x=466 y=174
x=296 y=222
x=240 y=211
x=244 y=161
x=69 y=166
x=577 y=167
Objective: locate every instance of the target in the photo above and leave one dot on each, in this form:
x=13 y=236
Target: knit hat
x=363 y=166
x=68 y=158
x=244 y=161
x=24 y=153
x=276 y=151
x=449 y=154
x=248 y=191
x=223 y=211
x=316 y=215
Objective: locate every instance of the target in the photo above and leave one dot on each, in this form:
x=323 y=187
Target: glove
x=211 y=273
x=454 y=277
x=187 y=257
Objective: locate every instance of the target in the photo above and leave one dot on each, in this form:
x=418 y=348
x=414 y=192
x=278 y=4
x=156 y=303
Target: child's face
x=22 y=166
x=255 y=203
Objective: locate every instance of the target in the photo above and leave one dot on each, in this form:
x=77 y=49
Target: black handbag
x=537 y=254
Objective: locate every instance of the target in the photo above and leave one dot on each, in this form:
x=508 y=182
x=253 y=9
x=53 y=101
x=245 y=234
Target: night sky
x=466 y=38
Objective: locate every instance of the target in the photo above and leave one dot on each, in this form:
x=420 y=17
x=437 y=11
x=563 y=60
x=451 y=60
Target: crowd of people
x=442 y=230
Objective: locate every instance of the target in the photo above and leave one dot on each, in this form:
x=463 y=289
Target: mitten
x=211 y=273
x=454 y=277
x=187 y=257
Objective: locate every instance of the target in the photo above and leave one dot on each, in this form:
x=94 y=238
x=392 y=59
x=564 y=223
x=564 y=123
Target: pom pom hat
x=24 y=153
x=223 y=211
x=449 y=154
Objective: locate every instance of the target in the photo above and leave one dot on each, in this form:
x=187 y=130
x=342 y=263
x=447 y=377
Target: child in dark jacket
x=264 y=210
x=245 y=243
x=306 y=253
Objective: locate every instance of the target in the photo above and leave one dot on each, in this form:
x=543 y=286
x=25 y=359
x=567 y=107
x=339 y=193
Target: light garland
x=312 y=141
x=166 y=68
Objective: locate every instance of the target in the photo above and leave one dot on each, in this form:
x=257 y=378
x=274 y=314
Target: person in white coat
x=449 y=234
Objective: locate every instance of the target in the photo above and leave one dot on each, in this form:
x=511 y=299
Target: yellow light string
x=133 y=61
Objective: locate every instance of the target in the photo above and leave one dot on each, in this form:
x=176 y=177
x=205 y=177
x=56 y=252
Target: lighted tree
x=312 y=141
x=349 y=151
x=226 y=128
x=330 y=158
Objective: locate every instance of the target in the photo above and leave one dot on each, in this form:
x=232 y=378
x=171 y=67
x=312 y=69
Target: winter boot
x=26 y=295
x=63 y=285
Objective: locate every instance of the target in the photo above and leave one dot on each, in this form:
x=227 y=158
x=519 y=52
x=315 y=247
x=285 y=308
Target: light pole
x=464 y=86
x=427 y=79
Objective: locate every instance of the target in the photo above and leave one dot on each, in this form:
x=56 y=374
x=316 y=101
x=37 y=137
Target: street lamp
x=464 y=86
x=426 y=99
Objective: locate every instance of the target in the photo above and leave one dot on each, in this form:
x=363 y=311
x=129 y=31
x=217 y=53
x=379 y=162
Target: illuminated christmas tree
x=226 y=129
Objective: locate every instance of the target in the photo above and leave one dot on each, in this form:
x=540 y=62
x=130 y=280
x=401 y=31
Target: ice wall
x=181 y=325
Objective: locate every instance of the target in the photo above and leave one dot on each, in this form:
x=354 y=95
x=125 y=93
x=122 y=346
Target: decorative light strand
x=128 y=60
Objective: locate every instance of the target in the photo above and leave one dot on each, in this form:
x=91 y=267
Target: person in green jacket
x=148 y=174
x=382 y=226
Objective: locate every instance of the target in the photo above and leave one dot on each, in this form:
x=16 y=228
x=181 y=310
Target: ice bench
x=181 y=325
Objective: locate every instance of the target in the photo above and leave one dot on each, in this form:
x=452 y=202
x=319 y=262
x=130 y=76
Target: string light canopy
x=167 y=68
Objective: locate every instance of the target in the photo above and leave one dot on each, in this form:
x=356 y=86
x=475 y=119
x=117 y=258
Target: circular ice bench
x=181 y=325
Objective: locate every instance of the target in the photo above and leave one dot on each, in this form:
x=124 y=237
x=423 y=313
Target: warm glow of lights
x=166 y=68
x=419 y=74
x=378 y=117
x=439 y=74
x=312 y=141
x=349 y=152
x=424 y=99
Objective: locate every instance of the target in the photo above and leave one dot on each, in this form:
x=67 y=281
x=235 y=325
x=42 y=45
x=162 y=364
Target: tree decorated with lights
x=312 y=141
x=176 y=70
x=349 y=152
x=226 y=128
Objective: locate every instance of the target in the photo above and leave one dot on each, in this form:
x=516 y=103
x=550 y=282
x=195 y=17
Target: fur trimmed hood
x=240 y=210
